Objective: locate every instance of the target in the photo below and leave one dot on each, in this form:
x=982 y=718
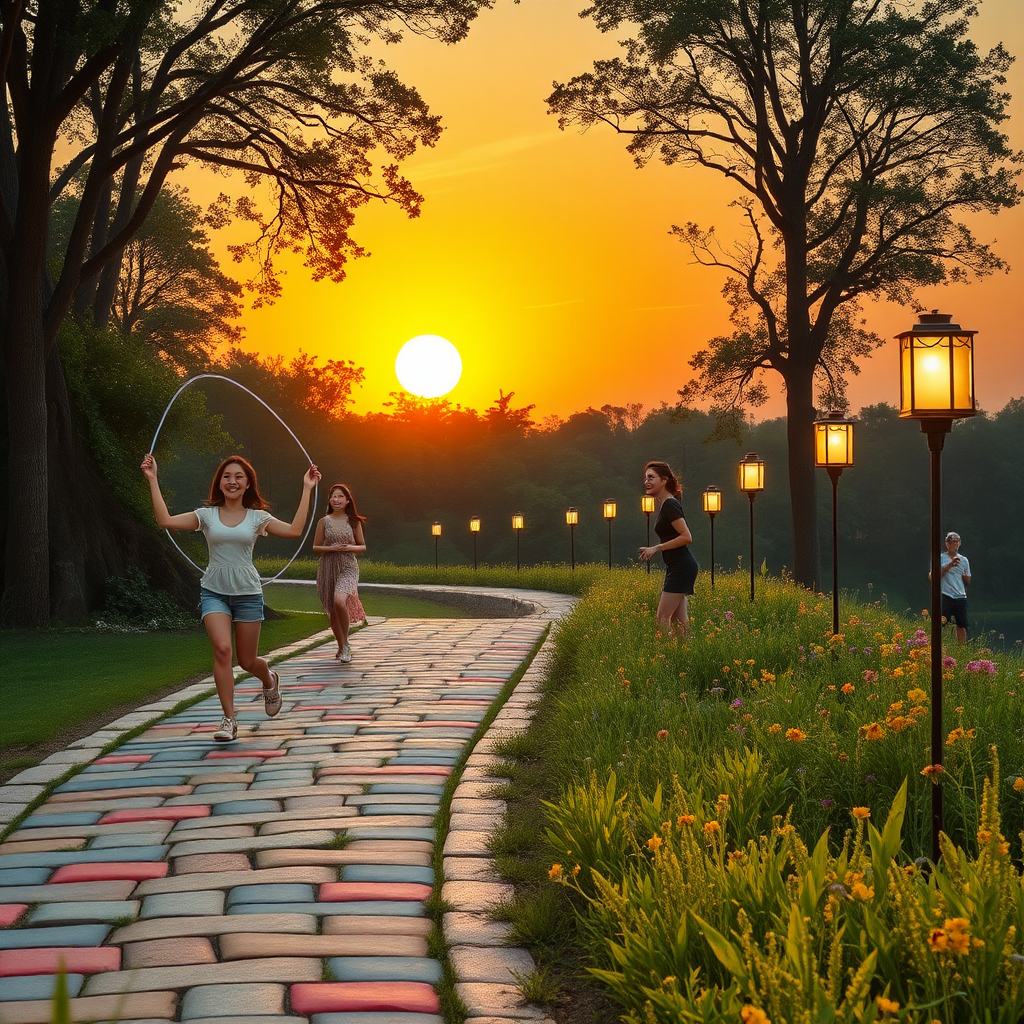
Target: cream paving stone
x=174 y=927
x=490 y=963
x=282 y=858
x=253 y=999
x=142 y=1006
x=464 y=843
x=275 y=828
x=490 y=999
x=463 y=822
x=168 y=952
x=42 y=845
x=156 y=828
x=361 y=924
x=228 y=879
x=40 y=773
x=277 y=970
x=470 y=869
x=248 y=945
x=254 y=843
x=73 y=756
x=212 y=862
x=475 y=929
x=475 y=805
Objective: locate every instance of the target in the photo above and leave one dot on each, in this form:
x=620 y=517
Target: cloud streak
x=488 y=156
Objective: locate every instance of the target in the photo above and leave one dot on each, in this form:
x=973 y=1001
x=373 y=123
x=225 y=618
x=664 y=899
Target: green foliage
x=132 y=602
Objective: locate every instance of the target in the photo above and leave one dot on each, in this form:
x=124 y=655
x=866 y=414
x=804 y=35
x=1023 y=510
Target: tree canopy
x=858 y=133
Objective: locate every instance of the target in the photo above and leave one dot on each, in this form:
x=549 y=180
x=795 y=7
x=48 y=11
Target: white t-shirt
x=230 y=570
x=953 y=581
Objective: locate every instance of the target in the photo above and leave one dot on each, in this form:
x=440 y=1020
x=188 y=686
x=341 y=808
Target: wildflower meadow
x=743 y=818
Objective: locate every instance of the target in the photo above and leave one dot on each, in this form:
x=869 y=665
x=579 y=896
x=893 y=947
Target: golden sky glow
x=545 y=256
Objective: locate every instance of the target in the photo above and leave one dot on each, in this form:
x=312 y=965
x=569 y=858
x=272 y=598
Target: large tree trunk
x=803 y=482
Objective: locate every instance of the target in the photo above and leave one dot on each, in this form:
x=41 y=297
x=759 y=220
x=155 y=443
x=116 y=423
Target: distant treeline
x=423 y=462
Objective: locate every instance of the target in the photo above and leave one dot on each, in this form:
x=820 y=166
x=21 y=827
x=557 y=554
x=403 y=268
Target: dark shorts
x=680 y=578
x=241 y=607
x=954 y=609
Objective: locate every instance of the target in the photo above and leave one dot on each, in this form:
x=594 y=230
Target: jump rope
x=316 y=493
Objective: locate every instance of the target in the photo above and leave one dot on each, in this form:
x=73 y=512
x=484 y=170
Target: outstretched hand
x=646 y=554
x=312 y=478
x=148 y=467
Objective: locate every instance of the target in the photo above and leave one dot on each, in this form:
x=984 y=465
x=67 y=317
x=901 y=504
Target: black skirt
x=681 y=576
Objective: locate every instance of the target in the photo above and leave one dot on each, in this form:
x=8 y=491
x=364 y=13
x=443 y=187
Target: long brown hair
x=663 y=470
x=354 y=518
x=251 y=498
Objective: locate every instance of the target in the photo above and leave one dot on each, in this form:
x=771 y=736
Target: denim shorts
x=241 y=607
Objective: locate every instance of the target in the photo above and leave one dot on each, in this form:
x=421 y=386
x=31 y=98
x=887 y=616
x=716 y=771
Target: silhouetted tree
x=857 y=132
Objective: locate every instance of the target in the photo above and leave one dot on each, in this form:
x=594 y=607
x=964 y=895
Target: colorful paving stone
x=179 y=879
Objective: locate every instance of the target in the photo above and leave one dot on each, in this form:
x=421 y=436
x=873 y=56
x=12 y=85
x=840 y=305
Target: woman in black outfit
x=674 y=534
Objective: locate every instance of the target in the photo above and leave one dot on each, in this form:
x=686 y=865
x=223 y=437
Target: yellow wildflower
x=654 y=842
x=711 y=827
x=887 y=1005
x=685 y=819
x=861 y=891
x=917 y=696
x=753 y=1015
x=1018 y=784
x=861 y=812
x=795 y=735
x=555 y=872
x=871 y=731
x=775 y=728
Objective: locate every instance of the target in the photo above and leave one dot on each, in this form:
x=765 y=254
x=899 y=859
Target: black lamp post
x=517 y=525
x=609 y=513
x=572 y=517
x=936 y=387
x=833 y=450
x=435 y=529
x=474 y=528
x=647 y=507
x=751 y=481
x=713 y=505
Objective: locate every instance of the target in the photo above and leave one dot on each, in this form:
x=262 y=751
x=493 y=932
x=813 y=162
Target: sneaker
x=272 y=696
x=228 y=730
x=346 y=654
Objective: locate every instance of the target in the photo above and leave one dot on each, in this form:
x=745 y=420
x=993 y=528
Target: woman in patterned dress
x=338 y=539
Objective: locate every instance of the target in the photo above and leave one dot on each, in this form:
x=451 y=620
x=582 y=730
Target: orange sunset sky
x=545 y=256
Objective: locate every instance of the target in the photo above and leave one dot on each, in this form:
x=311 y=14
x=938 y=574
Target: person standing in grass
x=231 y=594
x=956 y=574
x=680 y=565
x=338 y=539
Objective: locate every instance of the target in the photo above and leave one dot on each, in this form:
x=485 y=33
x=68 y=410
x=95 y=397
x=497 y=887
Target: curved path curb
x=234 y=932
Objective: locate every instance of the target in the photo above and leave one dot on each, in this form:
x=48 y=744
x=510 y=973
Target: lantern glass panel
x=751 y=475
x=436 y=529
x=474 y=525
x=610 y=509
x=517 y=521
x=572 y=517
x=647 y=503
x=713 y=501
x=936 y=375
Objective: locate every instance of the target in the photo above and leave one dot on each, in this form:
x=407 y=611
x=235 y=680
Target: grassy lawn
x=58 y=678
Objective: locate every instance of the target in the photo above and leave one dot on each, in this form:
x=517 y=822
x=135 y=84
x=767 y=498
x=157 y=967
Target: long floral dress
x=338 y=572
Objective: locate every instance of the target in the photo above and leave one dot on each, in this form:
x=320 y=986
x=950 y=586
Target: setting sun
x=428 y=366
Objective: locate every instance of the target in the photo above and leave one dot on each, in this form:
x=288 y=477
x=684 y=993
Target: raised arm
x=277 y=528
x=164 y=519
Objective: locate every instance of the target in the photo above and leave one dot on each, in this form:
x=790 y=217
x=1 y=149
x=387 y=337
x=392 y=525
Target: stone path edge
x=33 y=786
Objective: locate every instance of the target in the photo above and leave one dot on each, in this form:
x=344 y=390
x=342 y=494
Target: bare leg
x=218 y=628
x=672 y=614
x=247 y=643
x=340 y=620
x=961 y=634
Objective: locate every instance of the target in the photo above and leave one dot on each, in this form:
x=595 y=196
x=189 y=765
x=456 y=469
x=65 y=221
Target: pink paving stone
x=447 y=725
x=123 y=759
x=347 y=718
x=177 y=952
x=343 y=892
x=221 y=755
x=193 y=862
x=350 y=996
x=137 y=871
x=156 y=814
x=387 y=769
x=10 y=912
x=50 y=959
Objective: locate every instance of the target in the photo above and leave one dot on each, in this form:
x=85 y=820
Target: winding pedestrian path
x=281 y=877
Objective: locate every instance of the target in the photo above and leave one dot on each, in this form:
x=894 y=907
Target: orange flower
x=685 y=819
x=555 y=872
x=871 y=731
x=775 y=728
x=861 y=812
x=663 y=734
x=938 y=940
x=753 y=1015
x=932 y=771
x=1018 y=784
x=654 y=842
x=711 y=827
x=956 y=734
x=848 y=688
x=861 y=891
x=887 y=1005
x=795 y=735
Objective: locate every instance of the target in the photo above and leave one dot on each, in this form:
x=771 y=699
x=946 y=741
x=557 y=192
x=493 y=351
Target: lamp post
x=713 y=505
x=936 y=387
x=517 y=525
x=435 y=529
x=647 y=507
x=751 y=481
x=833 y=451
x=609 y=513
x=572 y=517
x=474 y=528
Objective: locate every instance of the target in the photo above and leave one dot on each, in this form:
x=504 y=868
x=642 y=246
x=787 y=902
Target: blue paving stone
x=271 y=892
x=38 y=820
x=425 y=759
x=385 y=968
x=80 y=785
x=376 y=1017
x=368 y=810
x=373 y=908
x=333 y=729
x=121 y=840
x=37 y=986
x=24 y=876
x=376 y=832
x=404 y=787
x=388 y=873
x=461 y=716
x=284 y=781
x=205 y=903
x=315 y=750
x=58 y=858
x=291 y=766
x=88 y=911
x=220 y=787
x=235 y=1004
x=247 y=807
x=370 y=799
x=38 y=938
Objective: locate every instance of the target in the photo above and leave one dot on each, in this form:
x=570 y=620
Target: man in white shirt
x=956 y=574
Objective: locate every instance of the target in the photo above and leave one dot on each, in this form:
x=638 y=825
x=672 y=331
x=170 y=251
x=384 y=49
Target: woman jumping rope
x=230 y=591
x=338 y=539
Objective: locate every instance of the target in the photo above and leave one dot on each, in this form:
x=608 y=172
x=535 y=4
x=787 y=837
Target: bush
x=132 y=604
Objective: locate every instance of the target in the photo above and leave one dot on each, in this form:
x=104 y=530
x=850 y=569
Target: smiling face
x=952 y=545
x=233 y=481
x=653 y=483
x=337 y=499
